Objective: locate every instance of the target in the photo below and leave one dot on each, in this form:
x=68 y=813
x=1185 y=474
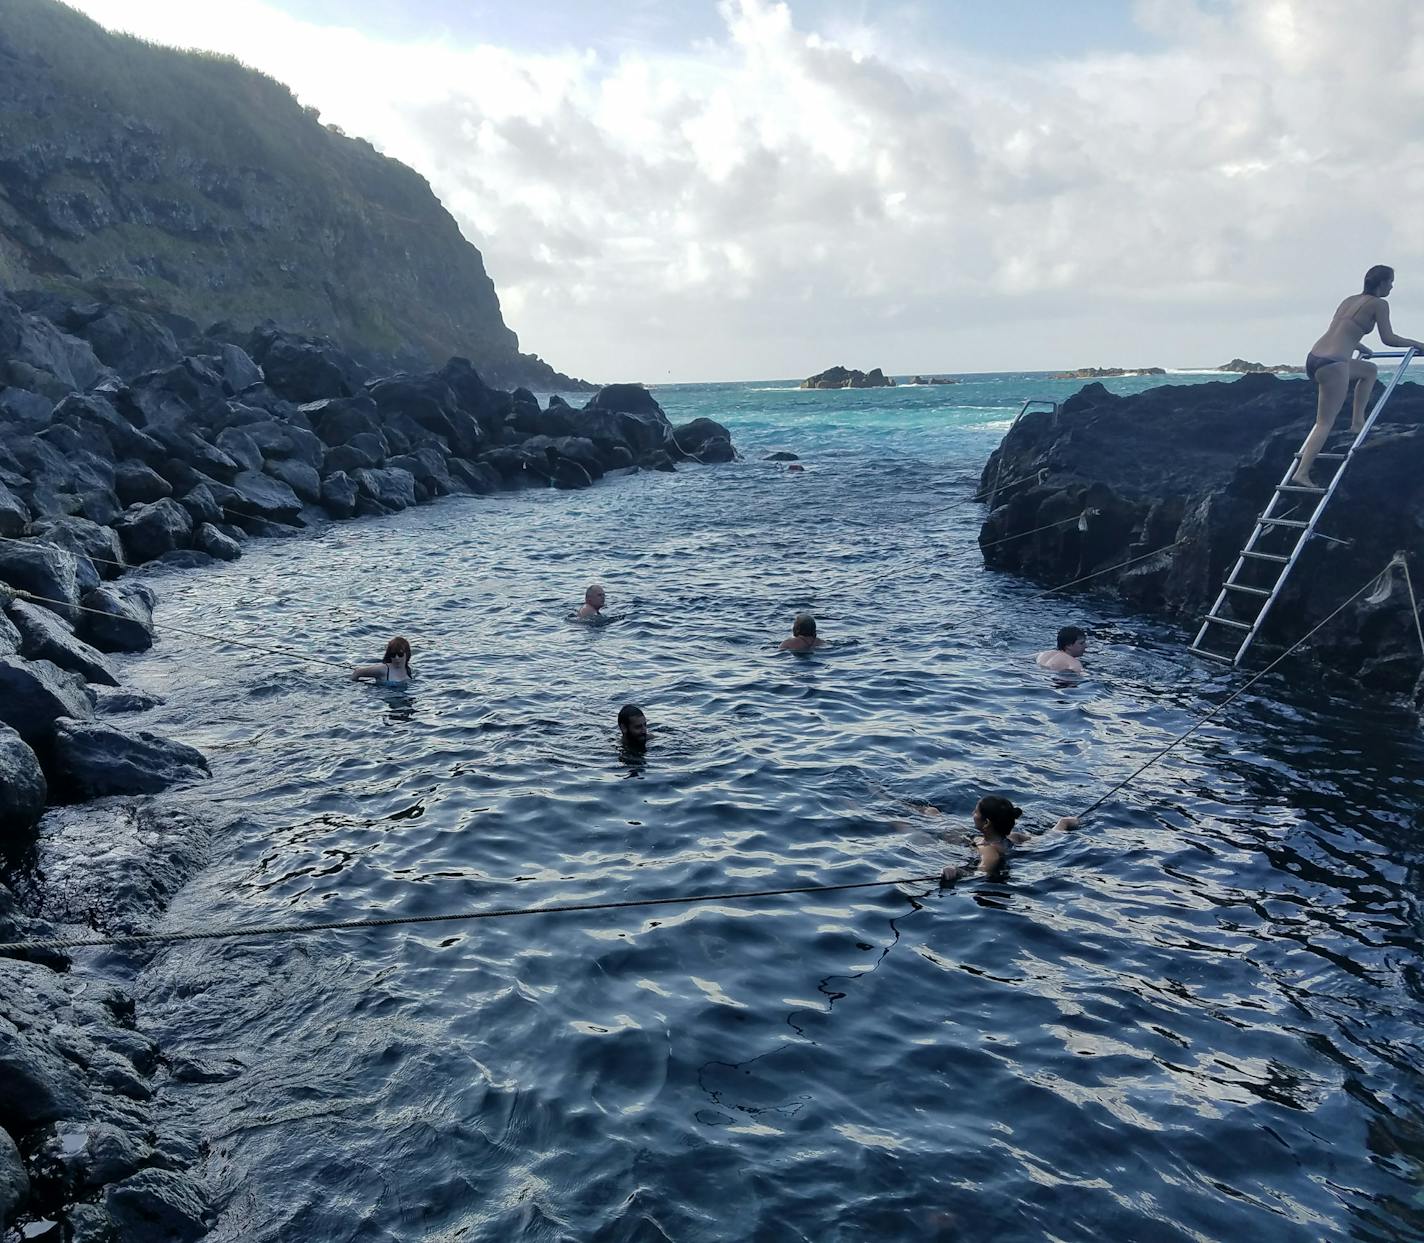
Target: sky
x=671 y=190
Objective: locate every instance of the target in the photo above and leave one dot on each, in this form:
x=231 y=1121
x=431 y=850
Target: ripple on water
x=1195 y=1020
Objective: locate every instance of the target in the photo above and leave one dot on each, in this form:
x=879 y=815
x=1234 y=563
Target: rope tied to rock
x=1080 y=519
x=1121 y=565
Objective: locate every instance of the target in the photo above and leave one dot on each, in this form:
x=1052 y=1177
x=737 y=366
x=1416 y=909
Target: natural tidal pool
x=1196 y=1018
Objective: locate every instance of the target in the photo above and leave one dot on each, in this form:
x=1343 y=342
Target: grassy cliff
x=207 y=185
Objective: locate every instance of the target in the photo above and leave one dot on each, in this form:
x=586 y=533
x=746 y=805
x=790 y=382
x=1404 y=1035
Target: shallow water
x=1196 y=1019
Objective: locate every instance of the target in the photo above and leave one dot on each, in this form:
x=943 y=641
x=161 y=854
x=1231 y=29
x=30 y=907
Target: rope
x=42 y=542
x=269 y=648
x=1403 y=562
x=1236 y=694
x=1062 y=522
x=271 y=930
x=1107 y=570
x=999 y=487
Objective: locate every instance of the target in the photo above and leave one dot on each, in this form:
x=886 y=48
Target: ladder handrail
x=1307 y=530
x=1023 y=410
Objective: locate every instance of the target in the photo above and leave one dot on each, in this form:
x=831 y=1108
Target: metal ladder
x=1236 y=593
x=1023 y=410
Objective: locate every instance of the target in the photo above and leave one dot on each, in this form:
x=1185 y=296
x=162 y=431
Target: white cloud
x=780 y=199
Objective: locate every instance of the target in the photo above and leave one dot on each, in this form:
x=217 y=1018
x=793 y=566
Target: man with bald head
x=592 y=610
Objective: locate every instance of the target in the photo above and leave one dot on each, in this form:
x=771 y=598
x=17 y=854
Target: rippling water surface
x=1197 y=1018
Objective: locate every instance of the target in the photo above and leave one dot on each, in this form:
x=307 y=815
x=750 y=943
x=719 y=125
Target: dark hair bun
x=1018 y=811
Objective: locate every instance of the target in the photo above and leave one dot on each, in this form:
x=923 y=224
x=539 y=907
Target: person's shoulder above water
x=803 y=635
x=1064 y=658
x=394 y=666
x=591 y=611
x=994 y=818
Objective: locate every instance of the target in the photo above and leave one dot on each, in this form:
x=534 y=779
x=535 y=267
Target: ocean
x=1194 y=1019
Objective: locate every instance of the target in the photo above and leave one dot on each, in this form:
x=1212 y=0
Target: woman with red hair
x=394 y=666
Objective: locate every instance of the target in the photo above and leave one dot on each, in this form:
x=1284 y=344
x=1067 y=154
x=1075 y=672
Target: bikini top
x=1362 y=327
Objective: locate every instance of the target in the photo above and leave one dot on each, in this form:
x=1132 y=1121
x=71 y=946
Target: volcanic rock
x=92 y=759
x=44 y=636
x=119 y=618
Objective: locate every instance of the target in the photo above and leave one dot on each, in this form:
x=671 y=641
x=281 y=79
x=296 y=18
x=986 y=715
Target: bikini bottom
x=1314 y=362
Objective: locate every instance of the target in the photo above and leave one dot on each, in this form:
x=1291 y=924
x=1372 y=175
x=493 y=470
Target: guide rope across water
x=298 y=929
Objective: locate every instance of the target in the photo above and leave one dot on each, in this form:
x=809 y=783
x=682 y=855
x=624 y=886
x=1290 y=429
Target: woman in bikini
x=394 y=666
x=1331 y=366
x=995 y=817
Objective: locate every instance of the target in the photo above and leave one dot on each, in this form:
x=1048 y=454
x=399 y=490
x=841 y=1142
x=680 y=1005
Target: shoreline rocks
x=841 y=377
x=1187 y=469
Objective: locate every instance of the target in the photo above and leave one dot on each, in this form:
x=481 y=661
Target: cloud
x=780 y=198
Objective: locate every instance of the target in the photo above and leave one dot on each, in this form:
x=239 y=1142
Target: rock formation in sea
x=1242 y=367
x=841 y=377
x=187 y=183
x=934 y=379
x=1187 y=469
x=120 y=446
x=1107 y=373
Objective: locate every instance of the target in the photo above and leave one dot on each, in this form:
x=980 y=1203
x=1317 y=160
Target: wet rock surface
x=92 y=758
x=1187 y=470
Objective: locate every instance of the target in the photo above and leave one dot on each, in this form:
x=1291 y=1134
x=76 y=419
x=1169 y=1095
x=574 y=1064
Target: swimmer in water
x=803 y=635
x=1072 y=643
x=592 y=610
x=633 y=728
x=995 y=817
x=394 y=666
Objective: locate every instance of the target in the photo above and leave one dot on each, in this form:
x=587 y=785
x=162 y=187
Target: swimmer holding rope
x=394 y=666
x=995 y=817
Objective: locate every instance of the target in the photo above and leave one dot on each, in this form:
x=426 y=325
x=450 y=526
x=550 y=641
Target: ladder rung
x=1250 y=591
x=1226 y=621
x=1267 y=556
x=1201 y=651
x=1282 y=522
x=1329 y=457
x=1299 y=487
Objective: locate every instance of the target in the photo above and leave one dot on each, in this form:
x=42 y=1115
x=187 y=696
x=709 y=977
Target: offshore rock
x=119 y=618
x=22 y=786
x=1186 y=470
x=43 y=636
x=706 y=440
x=92 y=759
x=842 y=377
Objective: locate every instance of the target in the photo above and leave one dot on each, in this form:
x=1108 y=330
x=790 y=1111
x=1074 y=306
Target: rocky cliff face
x=207 y=187
x=1188 y=469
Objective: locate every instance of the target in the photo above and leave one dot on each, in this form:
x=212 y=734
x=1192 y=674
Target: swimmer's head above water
x=803 y=635
x=594 y=598
x=1073 y=640
x=995 y=816
x=394 y=666
x=633 y=726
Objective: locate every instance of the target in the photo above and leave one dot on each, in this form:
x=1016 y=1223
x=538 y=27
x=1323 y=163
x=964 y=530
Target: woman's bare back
x=1354 y=317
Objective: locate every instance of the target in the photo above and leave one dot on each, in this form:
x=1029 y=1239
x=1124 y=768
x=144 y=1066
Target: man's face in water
x=635 y=730
x=1078 y=646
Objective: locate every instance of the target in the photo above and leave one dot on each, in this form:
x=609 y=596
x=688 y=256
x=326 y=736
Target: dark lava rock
x=208 y=539
x=119 y=618
x=43 y=570
x=37 y=1083
x=239 y=372
x=1186 y=470
x=202 y=505
x=9 y=636
x=347 y=458
x=387 y=486
x=277 y=439
x=338 y=494
x=426 y=466
x=842 y=377
x=625 y=398
x=473 y=477
x=261 y=496
x=240 y=447
x=120 y=702
x=14 y=1182
x=14 y=513
x=138 y=484
x=185 y=559
x=305 y=369
x=92 y=759
x=149 y=531
x=44 y=636
x=20 y=408
x=657 y=460
x=128 y=340
x=157 y=1206
x=781 y=455
x=89 y=541
x=35 y=694
x=297 y=475
x=22 y=786
x=338 y=420
x=704 y=439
